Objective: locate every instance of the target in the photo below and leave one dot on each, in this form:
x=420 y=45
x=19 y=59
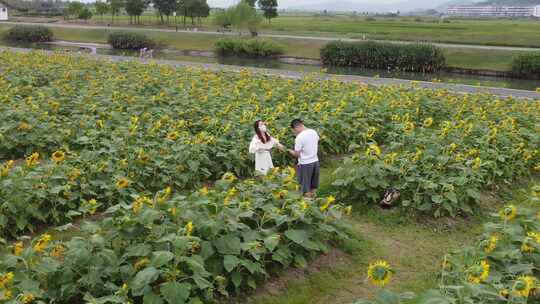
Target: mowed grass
x=456 y=57
x=413 y=247
x=505 y=32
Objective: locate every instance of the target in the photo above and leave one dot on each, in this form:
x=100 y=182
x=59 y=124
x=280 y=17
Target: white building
x=3 y=12
x=493 y=11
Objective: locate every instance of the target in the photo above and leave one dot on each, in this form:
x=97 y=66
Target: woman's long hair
x=263 y=136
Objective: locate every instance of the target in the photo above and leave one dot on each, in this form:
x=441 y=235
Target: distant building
x=3 y=12
x=493 y=11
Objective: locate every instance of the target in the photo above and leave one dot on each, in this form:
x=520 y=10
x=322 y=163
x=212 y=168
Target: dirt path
x=279 y=36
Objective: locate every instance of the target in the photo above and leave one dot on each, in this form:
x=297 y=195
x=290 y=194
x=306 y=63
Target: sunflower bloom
x=379 y=273
x=535 y=236
x=6 y=279
x=32 y=159
x=478 y=273
x=228 y=177
x=508 y=213
x=491 y=244
x=141 y=263
x=58 y=156
x=189 y=228
x=428 y=122
x=122 y=183
x=42 y=242
x=327 y=203
x=172 y=135
x=476 y=163
x=27 y=298
x=18 y=248
x=204 y=191
x=523 y=286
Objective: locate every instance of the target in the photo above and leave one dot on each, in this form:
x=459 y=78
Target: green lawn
x=523 y=32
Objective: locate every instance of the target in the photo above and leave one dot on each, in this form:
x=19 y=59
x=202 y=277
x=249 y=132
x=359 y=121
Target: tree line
x=243 y=15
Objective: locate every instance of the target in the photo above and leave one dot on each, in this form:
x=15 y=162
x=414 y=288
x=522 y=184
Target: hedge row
x=24 y=33
x=376 y=55
x=248 y=47
x=527 y=65
x=131 y=41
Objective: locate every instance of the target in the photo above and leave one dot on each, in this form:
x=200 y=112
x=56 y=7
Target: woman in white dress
x=261 y=145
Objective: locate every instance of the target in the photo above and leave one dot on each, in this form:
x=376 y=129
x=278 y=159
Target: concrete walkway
x=278 y=36
x=454 y=88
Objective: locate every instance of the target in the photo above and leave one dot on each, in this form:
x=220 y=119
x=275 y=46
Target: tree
x=251 y=2
x=115 y=6
x=246 y=17
x=101 y=8
x=135 y=8
x=201 y=9
x=74 y=8
x=269 y=8
x=85 y=14
x=224 y=18
x=164 y=7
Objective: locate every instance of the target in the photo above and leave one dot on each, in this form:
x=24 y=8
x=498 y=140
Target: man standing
x=306 y=147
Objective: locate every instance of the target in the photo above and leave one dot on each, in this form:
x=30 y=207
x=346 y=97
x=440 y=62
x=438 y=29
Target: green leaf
x=143 y=279
x=387 y=297
x=228 y=244
x=160 y=258
x=297 y=236
x=236 y=278
x=175 y=293
x=271 y=242
x=151 y=298
x=201 y=282
x=230 y=262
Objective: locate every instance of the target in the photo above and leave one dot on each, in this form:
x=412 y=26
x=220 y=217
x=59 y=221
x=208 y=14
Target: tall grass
x=376 y=55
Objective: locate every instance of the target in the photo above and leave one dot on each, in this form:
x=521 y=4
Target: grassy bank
x=488 y=32
x=456 y=57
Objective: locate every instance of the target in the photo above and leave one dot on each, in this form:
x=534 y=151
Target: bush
x=23 y=33
x=131 y=41
x=375 y=55
x=527 y=65
x=248 y=47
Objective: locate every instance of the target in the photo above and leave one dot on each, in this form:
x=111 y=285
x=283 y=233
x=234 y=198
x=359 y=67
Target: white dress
x=263 y=159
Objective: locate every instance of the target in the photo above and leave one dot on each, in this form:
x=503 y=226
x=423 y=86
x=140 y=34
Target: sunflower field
x=159 y=156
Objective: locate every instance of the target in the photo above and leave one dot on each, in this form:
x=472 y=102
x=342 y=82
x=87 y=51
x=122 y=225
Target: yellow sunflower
x=508 y=213
x=172 y=135
x=122 y=183
x=32 y=159
x=42 y=242
x=491 y=243
x=18 y=248
x=189 y=228
x=27 y=298
x=379 y=273
x=58 y=156
x=228 y=177
x=523 y=286
x=327 y=203
x=478 y=273
x=428 y=122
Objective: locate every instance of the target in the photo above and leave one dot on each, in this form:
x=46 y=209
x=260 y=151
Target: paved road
x=281 y=36
x=455 y=88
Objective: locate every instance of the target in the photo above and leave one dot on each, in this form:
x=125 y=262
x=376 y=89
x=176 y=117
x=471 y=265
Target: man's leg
x=304 y=179
x=314 y=181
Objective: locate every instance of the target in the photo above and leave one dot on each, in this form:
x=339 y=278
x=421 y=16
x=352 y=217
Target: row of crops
x=140 y=142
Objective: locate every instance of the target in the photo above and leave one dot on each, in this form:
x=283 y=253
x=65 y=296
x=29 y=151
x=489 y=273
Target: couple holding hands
x=305 y=150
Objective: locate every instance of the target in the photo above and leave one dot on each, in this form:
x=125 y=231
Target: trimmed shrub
x=131 y=41
x=376 y=55
x=527 y=65
x=27 y=33
x=248 y=47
